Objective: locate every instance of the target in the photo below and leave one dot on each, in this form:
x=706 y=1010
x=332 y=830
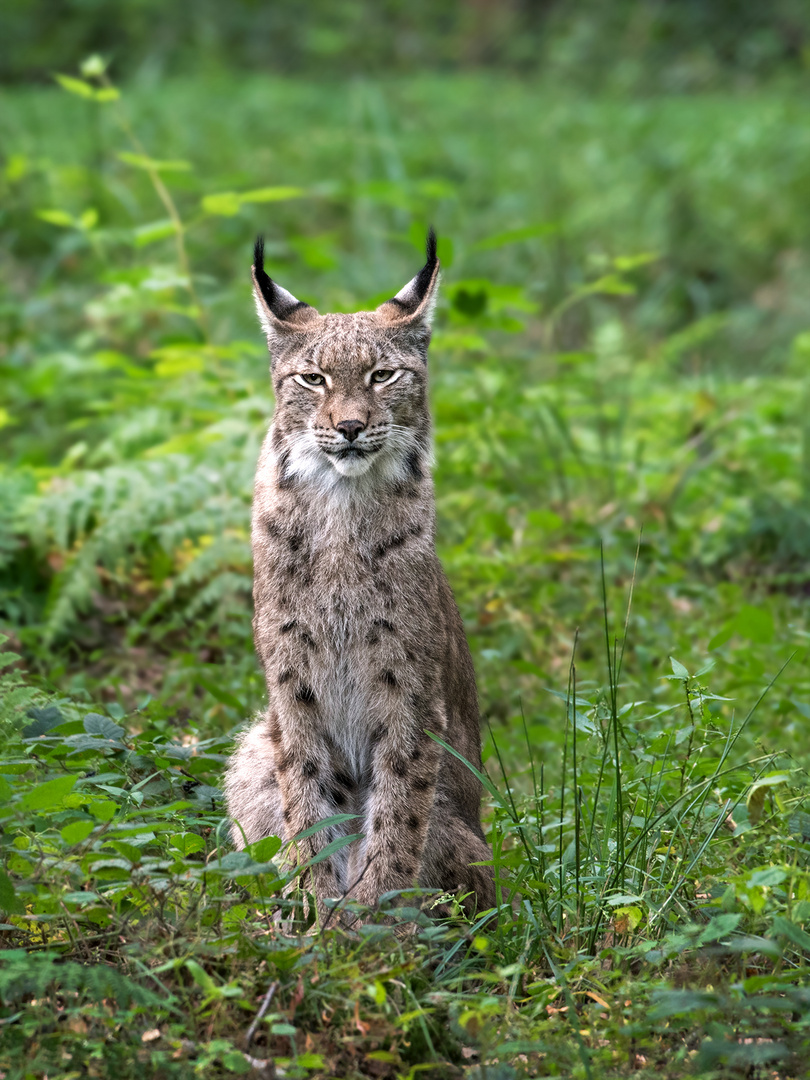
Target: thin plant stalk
x=575 y=785
x=614 y=717
x=169 y=205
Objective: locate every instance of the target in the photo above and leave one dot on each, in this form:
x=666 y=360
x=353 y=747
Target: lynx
x=355 y=625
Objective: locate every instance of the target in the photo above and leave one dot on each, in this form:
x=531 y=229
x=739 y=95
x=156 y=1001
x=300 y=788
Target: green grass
x=620 y=393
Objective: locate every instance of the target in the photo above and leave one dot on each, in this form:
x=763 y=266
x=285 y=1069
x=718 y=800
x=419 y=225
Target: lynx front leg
x=403 y=785
x=303 y=767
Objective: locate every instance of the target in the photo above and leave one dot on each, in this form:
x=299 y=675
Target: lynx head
x=351 y=390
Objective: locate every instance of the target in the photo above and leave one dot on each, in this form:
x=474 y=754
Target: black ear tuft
x=281 y=303
x=409 y=298
x=264 y=282
x=430 y=246
x=425 y=275
x=258 y=255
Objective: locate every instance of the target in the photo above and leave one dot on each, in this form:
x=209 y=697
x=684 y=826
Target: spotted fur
x=355 y=624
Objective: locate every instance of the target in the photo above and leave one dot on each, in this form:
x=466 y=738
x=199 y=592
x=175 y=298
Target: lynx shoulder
x=355 y=625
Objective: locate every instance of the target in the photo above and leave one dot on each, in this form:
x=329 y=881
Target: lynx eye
x=381 y=376
x=312 y=378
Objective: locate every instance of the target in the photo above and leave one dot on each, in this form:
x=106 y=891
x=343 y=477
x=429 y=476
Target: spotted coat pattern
x=355 y=625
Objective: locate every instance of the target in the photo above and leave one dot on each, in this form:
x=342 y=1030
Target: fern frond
x=25 y=975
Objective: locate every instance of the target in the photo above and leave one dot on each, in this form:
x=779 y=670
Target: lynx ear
x=413 y=306
x=279 y=312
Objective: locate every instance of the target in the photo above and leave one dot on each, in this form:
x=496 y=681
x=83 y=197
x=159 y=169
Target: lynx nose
x=350 y=429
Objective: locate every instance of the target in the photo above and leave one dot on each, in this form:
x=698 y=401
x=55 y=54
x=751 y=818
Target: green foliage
x=614 y=415
x=678 y=46
x=127 y=915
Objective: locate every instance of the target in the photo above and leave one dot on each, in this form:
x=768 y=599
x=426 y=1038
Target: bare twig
x=265 y=1005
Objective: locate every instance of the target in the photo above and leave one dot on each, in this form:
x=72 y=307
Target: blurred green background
x=621 y=350
x=667 y=44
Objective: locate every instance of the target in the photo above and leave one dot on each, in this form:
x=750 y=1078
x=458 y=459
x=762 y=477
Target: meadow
x=621 y=399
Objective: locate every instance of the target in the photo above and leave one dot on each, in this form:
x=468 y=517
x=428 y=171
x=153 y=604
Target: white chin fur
x=352 y=466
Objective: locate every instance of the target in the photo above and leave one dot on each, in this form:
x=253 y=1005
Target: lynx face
x=351 y=390
x=350 y=400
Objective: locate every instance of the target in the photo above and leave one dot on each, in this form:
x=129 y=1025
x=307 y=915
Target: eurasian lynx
x=362 y=644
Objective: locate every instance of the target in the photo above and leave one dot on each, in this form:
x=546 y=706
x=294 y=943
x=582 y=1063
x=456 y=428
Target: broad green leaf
x=77 y=831
x=678 y=669
x=627 y=918
x=225 y=204
x=50 y=793
x=470 y=303
x=157 y=230
x=81 y=898
x=75 y=800
x=611 y=285
x=720 y=926
x=201 y=977
x=315 y=1061
x=187 y=843
x=782 y=927
x=112 y=864
x=269 y=194
x=103 y=809
x=753 y=943
x=149 y=164
x=630 y=262
x=78 y=87
x=129 y=851
x=756 y=796
x=264 y=850
x=82 y=743
x=205 y=793
x=96 y=724
x=769 y=876
x=236 y=1062
x=5 y=789
x=668 y=1003
x=239 y=864
x=57 y=217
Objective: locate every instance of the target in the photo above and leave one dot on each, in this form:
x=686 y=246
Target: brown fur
x=355 y=625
